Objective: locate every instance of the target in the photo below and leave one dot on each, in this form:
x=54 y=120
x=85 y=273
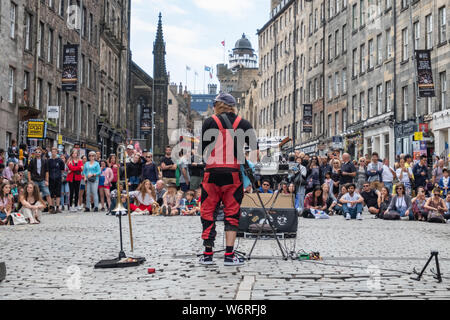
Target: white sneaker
x=358 y=216
x=347 y=217
x=404 y=218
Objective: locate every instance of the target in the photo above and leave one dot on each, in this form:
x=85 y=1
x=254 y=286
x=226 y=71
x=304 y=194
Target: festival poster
x=424 y=74
x=70 y=67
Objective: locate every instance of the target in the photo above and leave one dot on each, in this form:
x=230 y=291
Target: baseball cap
x=130 y=147
x=226 y=98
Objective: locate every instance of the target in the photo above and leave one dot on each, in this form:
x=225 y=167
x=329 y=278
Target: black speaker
x=2 y=271
x=283 y=220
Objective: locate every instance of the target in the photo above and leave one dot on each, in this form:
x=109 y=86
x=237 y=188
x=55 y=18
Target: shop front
x=379 y=140
x=441 y=131
x=404 y=135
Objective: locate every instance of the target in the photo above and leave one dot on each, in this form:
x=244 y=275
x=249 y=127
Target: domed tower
x=243 y=55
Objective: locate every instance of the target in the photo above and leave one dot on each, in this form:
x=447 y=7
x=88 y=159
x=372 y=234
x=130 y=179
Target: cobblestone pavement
x=55 y=260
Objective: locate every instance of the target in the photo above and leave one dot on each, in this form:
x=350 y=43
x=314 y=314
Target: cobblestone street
x=44 y=261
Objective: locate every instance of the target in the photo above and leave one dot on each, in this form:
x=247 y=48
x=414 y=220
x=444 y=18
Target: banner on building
x=424 y=74
x=307 y=118
x=37 y=129
x=70 y=67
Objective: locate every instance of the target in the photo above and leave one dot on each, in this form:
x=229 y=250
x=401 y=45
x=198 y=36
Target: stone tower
x=161 y=83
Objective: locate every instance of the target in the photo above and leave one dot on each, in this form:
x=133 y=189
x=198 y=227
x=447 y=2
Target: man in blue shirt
x=265 y=187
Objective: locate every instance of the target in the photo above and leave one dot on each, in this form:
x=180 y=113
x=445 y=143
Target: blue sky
x=193 y=32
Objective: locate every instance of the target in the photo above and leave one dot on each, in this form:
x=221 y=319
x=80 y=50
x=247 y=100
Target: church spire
x=159 y=53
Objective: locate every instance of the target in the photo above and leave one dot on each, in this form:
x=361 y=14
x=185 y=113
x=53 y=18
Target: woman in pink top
x=104 y=184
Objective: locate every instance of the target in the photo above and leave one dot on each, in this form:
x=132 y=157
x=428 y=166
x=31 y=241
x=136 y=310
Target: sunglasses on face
x=265 y=184
x=399 y=188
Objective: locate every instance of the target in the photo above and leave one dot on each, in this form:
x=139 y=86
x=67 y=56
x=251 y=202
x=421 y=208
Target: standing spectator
x=160 y=191
x=130 y=154
x=91 y=173
x=438 y=172
x=371 y=198
x=184 y=172
x=325 y=168
x=404 y=175
x=134 y=171
x=418 y=205
x=300 y=185
x=38 y=173
x=336 y=176
x=65 y=189
x=348 y=170
x=98 y=156
x=197 y=168
x=444 y=183
x=420 y=172
x=374 y=169
x=23 y=155
x=115 y=166
x=150 y=169
x=55 y=168
x=387 y=175
x=361 y=174
x=401 y=206
x=74 y=177
x=409 y=161
x=168 y=168
x=313 y=175
x=104 y=184
x=2 y=157
x=13 y=152
x=82 y=192
x=352 y=203
x=32 y=204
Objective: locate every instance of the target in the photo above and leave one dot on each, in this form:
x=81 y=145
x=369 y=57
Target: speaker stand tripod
x=437 y=274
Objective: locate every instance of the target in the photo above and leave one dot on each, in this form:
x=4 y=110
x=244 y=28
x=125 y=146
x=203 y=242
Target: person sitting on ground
x=400 y=207
x=171 y=202
x=328 y=199
x=352 y=203
x=339 y=205
x=8 y=172
x=383 y=202
x=418 y=205
x=32 y=204
x=444 y=182
x=145 y=197
x=436 y=207
x=190 y=205
x=291 y=189
x=6 y=204
x=284 y=188
x=371 y=198
x=447 y=203
x=314 y=205
x=160 y=191
x=265 y=187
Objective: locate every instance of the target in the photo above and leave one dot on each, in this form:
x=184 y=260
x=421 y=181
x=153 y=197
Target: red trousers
x=143 y=207
x=216 y=188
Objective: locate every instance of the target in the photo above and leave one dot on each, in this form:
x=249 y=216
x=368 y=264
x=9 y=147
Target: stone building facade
x=354 y=62
x=113 y=75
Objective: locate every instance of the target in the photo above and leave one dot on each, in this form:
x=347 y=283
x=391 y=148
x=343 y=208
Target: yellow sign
x=60 y=138
x=418 y=136
x=36 y=129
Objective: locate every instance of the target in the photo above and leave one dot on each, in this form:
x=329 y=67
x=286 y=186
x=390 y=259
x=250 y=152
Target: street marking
x=244 y=291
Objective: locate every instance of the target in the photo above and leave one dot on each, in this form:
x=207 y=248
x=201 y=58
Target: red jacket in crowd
x=75 y=171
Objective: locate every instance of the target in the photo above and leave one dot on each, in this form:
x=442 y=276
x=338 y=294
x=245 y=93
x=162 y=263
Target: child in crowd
x=329 y=182
x=171 y=201
x=444 y=182
x=190 y=205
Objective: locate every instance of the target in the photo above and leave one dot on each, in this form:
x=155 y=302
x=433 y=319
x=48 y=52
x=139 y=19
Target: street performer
x=224 y=136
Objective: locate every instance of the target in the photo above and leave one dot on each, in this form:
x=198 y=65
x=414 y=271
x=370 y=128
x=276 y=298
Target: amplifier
x=283 y=215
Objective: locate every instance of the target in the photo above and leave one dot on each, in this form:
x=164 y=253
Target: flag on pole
x=223 y=43
x=207 y=68
x=188 y=68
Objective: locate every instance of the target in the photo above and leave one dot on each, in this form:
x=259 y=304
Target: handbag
x=434 y=216
x=18 y=218
x=92 y=178
x=391 y=215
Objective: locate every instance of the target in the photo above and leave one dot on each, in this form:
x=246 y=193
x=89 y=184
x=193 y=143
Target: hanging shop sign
x=37 y=129
x=307 y=118
x=70 y=67
x=424 y=74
